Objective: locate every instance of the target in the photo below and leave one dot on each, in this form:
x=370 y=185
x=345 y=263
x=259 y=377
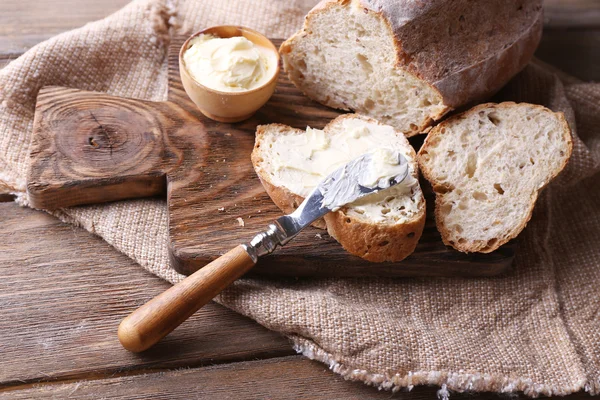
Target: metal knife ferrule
x=266 y=242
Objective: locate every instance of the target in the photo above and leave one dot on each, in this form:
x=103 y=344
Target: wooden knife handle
x=157 y=318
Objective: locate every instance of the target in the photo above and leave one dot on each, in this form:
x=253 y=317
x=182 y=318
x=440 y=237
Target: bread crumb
x=221 y=209
x=240 y=221
x=318 y=236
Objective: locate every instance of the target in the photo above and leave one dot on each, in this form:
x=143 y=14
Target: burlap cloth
x=535 y=330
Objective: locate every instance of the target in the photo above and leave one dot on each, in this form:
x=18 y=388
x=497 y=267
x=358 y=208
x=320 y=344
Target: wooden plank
x=24 y=23
x=581 y=14
x=282 y=378
x=63 y=293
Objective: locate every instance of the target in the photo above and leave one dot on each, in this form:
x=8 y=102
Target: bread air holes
x=471 y=165
x=490 y=244
x=301 y=64
x=479 y=196
x=458 y=228
x=364 y=63
x=493 y=118
x=383 y=244
x=446 y=208
x=369 y=104
x=443 y=188
x=499 y=188
x=385 y=211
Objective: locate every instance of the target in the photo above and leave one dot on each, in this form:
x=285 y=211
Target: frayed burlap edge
x=460 y=382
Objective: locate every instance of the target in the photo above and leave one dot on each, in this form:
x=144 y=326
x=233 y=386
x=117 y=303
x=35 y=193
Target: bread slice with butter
x=385 y=226
x=487 y=167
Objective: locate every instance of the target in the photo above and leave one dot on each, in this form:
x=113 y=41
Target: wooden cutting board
x=91 y=147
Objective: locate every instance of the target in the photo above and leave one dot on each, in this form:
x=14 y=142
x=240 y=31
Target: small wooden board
x=91 y=147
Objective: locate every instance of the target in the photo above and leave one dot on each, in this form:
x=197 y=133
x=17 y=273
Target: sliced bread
x=406 y=63
x=487 y=167
x=385 y=226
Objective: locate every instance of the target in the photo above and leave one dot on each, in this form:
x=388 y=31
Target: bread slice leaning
x=487 y=167
x=385 y=226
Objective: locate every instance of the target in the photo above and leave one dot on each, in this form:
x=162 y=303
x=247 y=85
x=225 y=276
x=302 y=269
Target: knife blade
x=358 y=178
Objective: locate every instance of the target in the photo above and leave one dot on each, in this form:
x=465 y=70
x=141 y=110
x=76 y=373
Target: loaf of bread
x=487 y=167
x=384 y=226
x=406 y=63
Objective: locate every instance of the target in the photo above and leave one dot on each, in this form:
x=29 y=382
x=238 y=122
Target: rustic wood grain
x=281 y=378
x=91 y=147
x=63 y=293
x=24 y=23
x=293 y=377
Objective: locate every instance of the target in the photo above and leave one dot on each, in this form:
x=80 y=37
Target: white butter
x=229 y=64
x=300 y=162
x=384 y=165
x=373 y=170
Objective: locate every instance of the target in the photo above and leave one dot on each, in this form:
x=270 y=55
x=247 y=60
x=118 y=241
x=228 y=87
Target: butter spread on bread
x=363 y=176
x=487 y=167
x=407 y=63
x=290 y=162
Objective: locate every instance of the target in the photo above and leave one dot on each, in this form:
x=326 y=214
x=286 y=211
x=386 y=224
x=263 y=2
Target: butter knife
x=154 y=320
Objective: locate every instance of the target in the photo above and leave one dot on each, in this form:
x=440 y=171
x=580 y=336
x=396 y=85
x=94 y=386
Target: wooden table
x=64 y=291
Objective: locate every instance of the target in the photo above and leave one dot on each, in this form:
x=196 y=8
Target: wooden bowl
x=229 y=106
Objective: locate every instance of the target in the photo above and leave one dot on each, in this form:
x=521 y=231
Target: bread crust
x=483 y=246
x=443 y=57
x=371 y=241
x=375 y=242
x=455 y=61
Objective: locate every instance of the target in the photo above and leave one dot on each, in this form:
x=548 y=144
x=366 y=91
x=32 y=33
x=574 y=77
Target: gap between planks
x=49 y=381
x=282 y=378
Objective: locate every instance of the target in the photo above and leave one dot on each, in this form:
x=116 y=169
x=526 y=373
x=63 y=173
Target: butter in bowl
x=229 y=72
